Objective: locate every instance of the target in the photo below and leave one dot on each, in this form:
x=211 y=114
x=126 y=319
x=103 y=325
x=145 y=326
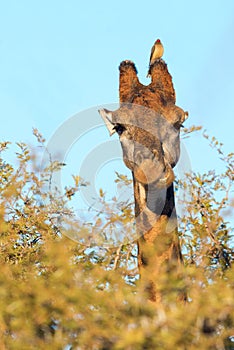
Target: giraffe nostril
x=146 y=155
x=139 y=157
x=155 y=153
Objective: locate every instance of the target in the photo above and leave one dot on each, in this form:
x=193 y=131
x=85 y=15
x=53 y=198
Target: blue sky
x=58 y=58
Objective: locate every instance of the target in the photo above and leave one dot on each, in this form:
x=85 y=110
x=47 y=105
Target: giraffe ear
x=107 y=117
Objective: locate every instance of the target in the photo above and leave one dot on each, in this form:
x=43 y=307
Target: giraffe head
x=149 y=142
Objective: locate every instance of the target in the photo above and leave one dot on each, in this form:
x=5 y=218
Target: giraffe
x=148 y=123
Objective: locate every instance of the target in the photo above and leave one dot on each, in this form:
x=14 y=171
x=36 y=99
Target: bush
x=56 y=293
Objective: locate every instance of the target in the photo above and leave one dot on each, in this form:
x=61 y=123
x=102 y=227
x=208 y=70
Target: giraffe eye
x=119 y=129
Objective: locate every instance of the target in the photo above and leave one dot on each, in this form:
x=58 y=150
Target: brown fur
x=158 y=94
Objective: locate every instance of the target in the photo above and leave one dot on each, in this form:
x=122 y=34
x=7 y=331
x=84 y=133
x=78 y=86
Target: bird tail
x=149 y=73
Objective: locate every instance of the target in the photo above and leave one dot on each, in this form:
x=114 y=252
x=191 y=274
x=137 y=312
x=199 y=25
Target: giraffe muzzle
x=150 y=171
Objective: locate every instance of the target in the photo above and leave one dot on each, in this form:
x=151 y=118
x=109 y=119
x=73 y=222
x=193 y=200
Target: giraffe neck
x=158 y=244
x=152 y=204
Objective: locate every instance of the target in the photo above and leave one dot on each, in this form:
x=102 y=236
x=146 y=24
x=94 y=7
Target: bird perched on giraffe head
x=156 y=53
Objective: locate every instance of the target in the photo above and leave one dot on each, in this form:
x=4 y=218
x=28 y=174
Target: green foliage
x=56 y=293
x=206 y=234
